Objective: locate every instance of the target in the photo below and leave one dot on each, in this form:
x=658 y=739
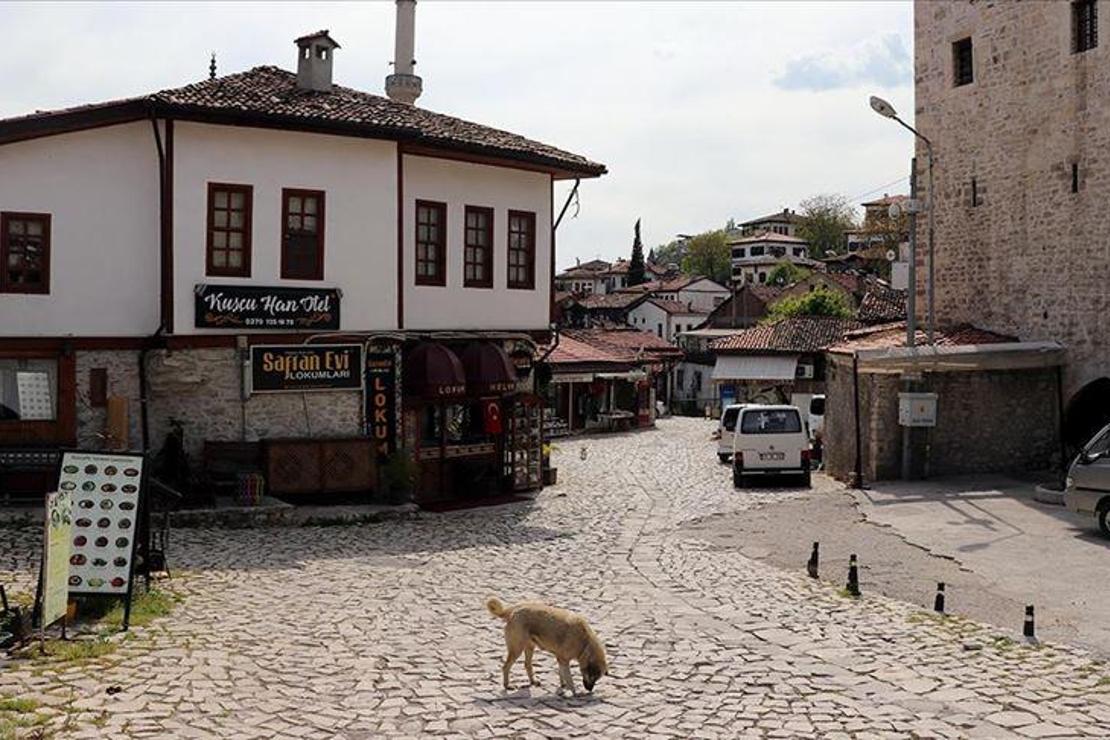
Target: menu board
x=106 y=492
x=59 y=533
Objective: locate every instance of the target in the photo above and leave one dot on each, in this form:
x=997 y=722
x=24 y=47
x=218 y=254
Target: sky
x=701 y=111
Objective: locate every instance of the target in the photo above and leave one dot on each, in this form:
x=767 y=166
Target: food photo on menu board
x=105 y=491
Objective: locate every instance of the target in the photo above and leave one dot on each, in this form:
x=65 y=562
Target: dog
x=564 y=634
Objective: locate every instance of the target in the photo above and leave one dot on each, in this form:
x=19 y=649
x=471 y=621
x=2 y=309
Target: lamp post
x=886 y=110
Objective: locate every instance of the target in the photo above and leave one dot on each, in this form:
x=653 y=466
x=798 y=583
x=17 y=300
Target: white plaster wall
x=459 y=184
x=700 y=294
x=101 y=189
x=647 y=316
x=359 y=177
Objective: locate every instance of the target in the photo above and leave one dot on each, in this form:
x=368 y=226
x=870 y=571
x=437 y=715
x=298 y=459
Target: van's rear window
x=781 y=421
x=728 y=421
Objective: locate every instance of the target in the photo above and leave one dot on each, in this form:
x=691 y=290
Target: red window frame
x=435 y=272
x=522 y=250
x=477 y=248
x=226 y=270
x=287 y=214
x=7 y=285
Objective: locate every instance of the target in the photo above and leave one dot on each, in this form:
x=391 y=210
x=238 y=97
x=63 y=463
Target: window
x=799 y=252
x=738 y=253
x=522 y=250
x=697 y=380
x=1084 y=22
x=962 y=69
x=757 y=421
x=762 y=277
x=431 y=243
x=1075 y=177
x=24 y=253
x=302 y=234
x=229 y=230
x=680 y=378
x=28 y=390
x=659 y=330
x=477 y=247
x=974 y=192
x=757 y=251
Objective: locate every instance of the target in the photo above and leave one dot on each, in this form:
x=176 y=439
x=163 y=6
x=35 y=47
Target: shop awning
x=630 y=375
x=488 y=369
x=433 y=371
x=755 y=367
x=962 y=358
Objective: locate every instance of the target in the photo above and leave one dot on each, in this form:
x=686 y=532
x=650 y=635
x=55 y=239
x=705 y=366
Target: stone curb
x=1048 y=496
x=249 y=517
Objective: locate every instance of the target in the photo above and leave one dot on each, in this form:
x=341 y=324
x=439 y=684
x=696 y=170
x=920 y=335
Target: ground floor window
x=28 y=389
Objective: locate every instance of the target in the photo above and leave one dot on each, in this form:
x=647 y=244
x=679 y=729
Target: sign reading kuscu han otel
x=306 y=367
x=251 y=307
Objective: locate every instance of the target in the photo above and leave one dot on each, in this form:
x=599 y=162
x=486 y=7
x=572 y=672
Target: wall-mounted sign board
x=252 y=307
x=306 y=367
x=917 y=409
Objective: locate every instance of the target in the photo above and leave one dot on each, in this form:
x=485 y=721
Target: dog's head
x=591 y=672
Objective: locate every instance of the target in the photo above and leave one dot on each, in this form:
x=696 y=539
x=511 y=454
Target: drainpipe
x=152 y=340
x=858 y=477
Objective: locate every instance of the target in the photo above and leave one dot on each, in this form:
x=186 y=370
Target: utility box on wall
x=917 y=409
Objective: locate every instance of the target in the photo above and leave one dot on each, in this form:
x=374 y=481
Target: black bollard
x=938 y=602
x=853 y=576
x=1029 y=630
x=811 y=566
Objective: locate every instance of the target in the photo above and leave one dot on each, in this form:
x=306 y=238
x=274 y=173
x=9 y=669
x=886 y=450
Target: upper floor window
x=1084 y=23
x=478 y=248
x=799 y=252
x=431 y=243
x=302 y=234
x=963 y=72
x=229 y=230
x=738 y=252
x=522 y=250
x=757 y=251
x=24 y=253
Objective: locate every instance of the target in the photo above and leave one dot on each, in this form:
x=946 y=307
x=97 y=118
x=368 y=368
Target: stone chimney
x=314 y=57
x=403 y=85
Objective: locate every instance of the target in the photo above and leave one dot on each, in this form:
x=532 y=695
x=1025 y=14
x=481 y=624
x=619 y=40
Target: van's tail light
x=805 y=455
x=738 y=459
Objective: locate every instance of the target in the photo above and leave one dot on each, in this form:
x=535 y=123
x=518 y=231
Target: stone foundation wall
x=123 y=380
x=202 y=388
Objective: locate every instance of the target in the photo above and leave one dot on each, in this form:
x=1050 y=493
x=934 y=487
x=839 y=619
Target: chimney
x=314 y=57
x=403 y=86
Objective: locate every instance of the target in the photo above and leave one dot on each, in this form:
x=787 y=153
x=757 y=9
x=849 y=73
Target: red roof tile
x=894 y=335
x=793 y=335
x=673 y=307
x=626 y=342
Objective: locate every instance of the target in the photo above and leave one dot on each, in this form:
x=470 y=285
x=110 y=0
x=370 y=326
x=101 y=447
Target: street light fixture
x=886 y=110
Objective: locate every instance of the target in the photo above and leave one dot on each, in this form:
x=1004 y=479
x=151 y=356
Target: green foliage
x=673 y=251
x=399 y=477
x=636 y=268
x=145 y=608
x=708 y=254
x=17 y=716
x=826 y=218
x=787 y=273
x=819 y=302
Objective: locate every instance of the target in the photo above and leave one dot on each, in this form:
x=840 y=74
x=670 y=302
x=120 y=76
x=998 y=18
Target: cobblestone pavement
x=379 y=630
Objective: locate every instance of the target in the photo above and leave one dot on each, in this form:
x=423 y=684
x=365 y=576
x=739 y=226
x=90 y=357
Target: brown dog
x=564 y=634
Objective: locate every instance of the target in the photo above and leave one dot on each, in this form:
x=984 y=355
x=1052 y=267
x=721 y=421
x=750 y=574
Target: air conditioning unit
x=804 y=371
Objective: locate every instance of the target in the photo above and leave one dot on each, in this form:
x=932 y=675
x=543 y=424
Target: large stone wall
x=202 y=388
x=990 y=421
x=1030 y=260
x=123 y=380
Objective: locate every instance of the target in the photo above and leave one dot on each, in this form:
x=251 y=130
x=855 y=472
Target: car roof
x=771 y=407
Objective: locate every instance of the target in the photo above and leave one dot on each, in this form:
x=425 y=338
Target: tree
x=787 y=273
x=708 y=254
x=636 y=264
x=825 y=218
x=819 y=302
x=673 y=251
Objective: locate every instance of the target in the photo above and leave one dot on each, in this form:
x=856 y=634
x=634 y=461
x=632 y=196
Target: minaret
x=404 y=86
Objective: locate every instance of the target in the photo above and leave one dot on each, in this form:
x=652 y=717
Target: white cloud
x=884 y=62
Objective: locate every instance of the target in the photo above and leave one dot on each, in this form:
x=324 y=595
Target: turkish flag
x=492 y=417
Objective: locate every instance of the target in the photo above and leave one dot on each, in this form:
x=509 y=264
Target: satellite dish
x=891 y=255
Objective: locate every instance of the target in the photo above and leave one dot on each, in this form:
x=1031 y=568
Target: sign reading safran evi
x=306 y=367
x=250 y=307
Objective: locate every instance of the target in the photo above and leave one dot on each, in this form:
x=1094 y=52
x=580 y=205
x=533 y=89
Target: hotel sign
x=381 y=387
x=306 y=367
x=250 y=307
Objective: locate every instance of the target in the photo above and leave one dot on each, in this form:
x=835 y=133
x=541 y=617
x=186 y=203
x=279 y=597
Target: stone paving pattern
x=379 y=630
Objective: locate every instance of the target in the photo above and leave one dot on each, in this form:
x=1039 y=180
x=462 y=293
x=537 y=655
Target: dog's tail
x=496 y=608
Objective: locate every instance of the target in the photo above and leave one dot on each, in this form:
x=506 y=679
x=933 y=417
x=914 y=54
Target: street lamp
x=886 y=110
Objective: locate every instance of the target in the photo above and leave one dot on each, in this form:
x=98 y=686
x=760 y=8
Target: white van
x=725 y=429
x=1087 y=489
x=770 y=440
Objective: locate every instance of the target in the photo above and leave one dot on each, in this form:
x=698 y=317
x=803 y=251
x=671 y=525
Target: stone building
x=268 y=256
x=1015 y=98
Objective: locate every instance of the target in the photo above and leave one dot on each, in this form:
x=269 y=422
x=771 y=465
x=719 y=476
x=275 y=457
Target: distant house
x=754 y=257
x=744 y=308
x=665 y=318
x=697 y=291
x=784 y=222
x=602 y=309
x=616 y=276
x=583 y=279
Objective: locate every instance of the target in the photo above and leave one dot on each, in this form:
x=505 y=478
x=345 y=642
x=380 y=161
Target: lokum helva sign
x=253 y=307
x=306 y=367
x=381 y=385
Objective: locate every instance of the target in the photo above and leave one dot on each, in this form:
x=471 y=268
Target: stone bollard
x=811 y=566
x=582 y=453
x=853 y=576
x=938 y=602
x=1029 y=630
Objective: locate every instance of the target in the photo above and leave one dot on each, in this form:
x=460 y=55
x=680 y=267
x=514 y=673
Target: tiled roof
x=571 y=350
x=626 y=342
x=767 y=236
x=796 y=335
x=882 y=305
x=611 y=300
x=673 y=307
x=894 y=335
x=620 y=267
x=581 y=273
x=270 y=95
x=886 y=200
x=783 y=216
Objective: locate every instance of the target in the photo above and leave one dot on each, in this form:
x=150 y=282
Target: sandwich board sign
x=55 y=569
x=107 y=496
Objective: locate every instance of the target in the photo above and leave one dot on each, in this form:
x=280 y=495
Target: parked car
x=725 y=429
x=1087 y=489
x=770 y=440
